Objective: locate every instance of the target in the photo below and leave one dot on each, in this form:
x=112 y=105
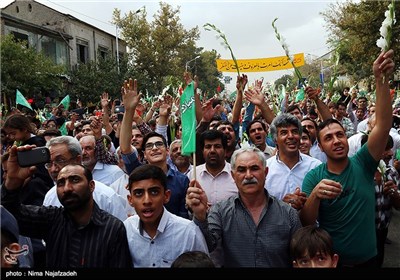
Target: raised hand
x=255 y=96
x=208 y=110
x=196 y=200
x=241 y=82
x=130 y=95
x=104 y=100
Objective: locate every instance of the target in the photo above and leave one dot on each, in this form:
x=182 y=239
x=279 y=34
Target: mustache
x=68 y=196
x=250 y=181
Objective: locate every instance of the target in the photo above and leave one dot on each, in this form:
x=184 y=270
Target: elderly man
x=254 y=228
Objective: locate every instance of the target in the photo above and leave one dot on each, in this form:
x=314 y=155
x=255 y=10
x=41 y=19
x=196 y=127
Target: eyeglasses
x=60 y=163
x=158 y=144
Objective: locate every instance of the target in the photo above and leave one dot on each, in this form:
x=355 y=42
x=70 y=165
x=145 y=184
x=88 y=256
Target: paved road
x=392 y=251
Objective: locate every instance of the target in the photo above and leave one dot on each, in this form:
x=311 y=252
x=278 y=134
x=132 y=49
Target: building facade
x=62 y=37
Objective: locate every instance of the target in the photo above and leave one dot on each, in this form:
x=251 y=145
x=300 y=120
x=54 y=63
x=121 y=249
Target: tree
x=24 y=69
x=161 y=49
x=356 y=26
x=91 y=79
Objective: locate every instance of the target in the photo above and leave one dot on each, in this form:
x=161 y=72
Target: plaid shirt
x=383 y=204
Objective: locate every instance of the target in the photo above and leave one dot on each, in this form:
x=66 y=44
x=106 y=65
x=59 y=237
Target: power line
x=108 y=23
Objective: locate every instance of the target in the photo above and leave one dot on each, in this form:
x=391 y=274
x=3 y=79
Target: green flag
x=188 y=113
x=20 y=99
x=63 y=129
x=300 y=95
x=65 y=102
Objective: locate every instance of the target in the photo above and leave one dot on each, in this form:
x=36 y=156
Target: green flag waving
x=300 y=95
x=65 y=102
x=188 y=113
x=20 y=99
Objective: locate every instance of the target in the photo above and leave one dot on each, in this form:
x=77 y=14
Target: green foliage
x=160 y=49
x=90 y=80
x=23 y=68
x=356 y=26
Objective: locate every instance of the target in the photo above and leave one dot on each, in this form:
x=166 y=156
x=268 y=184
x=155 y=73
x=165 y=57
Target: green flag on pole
x=300 y=95
x=20 y=99
x=65 y=102
x=188 y=114
x=63 y=129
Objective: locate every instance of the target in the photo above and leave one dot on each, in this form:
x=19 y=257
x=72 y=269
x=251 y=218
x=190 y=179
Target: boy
x=160 y=235
x=312 y=247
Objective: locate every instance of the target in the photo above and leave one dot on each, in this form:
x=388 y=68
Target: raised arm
x=383 y=68
x=130 y=97
x=323 y=109
x=240 y=86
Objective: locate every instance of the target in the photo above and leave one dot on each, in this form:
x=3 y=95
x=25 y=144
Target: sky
x=246 y=24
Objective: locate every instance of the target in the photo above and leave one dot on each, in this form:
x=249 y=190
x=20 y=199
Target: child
x=312 y=247
x=193 y=259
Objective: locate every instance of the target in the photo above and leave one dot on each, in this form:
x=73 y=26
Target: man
x=180 y=162
x=76 y=235
x=105 y=173
x=257 y=132
x=288 y=167
x=155 y=152
x=346 y=122
x=315 y=150
x=341 y=193
x=65 y=150
x=305 y=142
x=215 y=175
x=227 y=128
x=157 y=237
x=254 y=228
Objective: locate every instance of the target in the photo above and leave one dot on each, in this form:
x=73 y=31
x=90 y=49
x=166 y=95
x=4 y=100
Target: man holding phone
x=71 y=232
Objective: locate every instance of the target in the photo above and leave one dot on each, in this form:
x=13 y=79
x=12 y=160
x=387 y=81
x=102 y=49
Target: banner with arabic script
x=260 y=64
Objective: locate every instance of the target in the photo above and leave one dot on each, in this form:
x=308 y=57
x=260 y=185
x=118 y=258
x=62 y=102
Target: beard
x=73 y=202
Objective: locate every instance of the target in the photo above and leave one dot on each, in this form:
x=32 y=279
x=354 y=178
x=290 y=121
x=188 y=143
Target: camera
x=119 y=109
x=36 y=156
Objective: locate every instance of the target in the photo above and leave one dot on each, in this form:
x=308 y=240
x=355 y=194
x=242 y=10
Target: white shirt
x=119 y=187
x=107 y=199
x=355 y=142
x=175 y=235
x=281 y=180
x=107 y=173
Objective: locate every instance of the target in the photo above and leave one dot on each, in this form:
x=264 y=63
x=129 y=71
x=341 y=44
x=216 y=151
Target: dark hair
x=213 y=135
x=253 y=122
x=18 y=121
x=216 y=102
x=145 y=172
x=311 y=240
x=193 y=259
x=389 y=143
x=291 y=108
x=326 y=123
x=305 y=130
x=152 y=134
x=86 y=172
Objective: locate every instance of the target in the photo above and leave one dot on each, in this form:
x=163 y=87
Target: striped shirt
x=101 y=243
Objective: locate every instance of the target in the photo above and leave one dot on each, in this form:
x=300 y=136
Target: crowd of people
x=310 y=185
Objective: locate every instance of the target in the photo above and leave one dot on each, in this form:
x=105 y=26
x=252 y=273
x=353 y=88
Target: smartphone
x=120 y=116
x=36 y=156
x=119 y=109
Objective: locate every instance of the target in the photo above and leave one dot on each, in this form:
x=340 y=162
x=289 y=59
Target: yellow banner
x=260 y=64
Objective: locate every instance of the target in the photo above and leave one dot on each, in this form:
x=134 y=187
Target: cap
x=9 y=223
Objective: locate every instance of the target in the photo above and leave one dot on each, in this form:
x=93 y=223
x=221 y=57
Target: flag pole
x=194 y=166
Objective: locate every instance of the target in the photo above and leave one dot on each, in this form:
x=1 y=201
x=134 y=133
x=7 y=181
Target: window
x=55 y=49
x=20 y=37
x=30 y=8
x=82 y=51
x=103 y=52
